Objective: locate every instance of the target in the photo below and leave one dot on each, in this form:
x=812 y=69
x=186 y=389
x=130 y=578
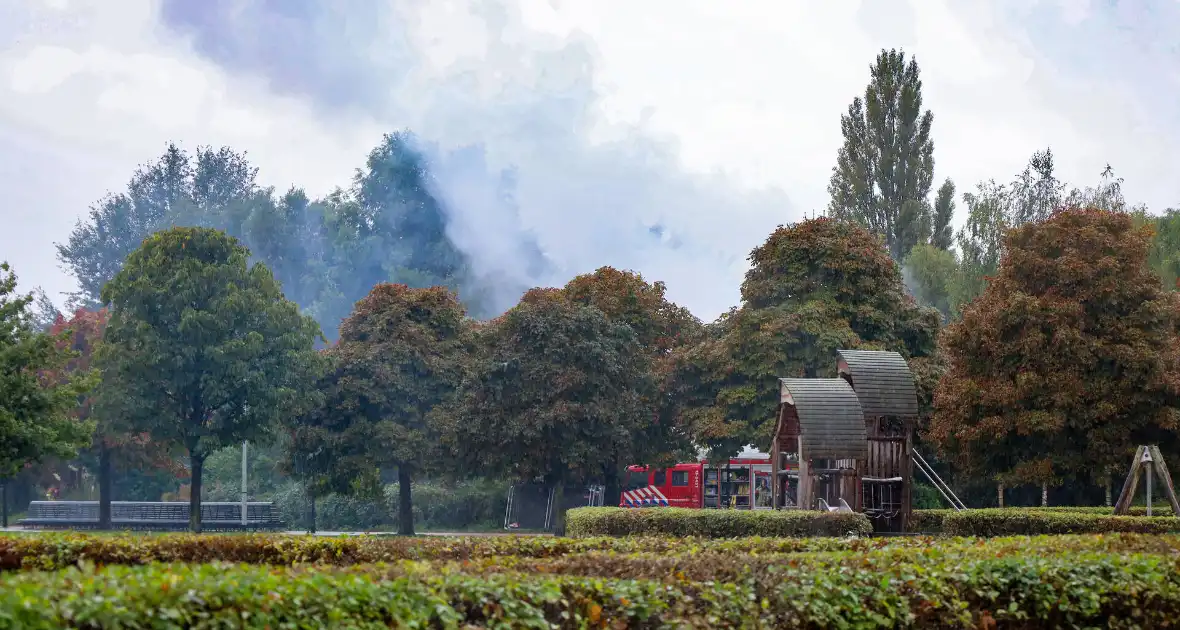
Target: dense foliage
x=399 y=356
x=885 y=168
x=37 y=418
x=1069 y=359
x=1021 y=582
x=113 y=441
x=614 y=521
x=661 y=328
x=557 y=391
x=813 y=287
x=202 y=349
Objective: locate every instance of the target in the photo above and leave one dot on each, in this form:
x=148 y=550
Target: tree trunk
x=1107 y=487
x=104 y=487
x=612 y=488
x=194 y=498
x=405 y=502
x=4 y=503
x=310 y=510
x=1000 y=493
x=557 y=510
x=1044 y=494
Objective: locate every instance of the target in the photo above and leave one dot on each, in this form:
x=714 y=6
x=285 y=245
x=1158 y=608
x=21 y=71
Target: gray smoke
x=525 y=102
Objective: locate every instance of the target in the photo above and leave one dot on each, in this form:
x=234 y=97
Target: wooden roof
x=831 y=421
x=882 y=381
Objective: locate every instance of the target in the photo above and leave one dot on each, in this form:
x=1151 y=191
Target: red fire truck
x=740 y=483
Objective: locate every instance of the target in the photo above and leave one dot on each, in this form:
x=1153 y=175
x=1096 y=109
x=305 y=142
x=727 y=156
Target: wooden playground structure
x=851 y=440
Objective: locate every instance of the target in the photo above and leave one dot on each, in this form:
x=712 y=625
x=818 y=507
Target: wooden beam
x=1165 y=477
x=1128 y=494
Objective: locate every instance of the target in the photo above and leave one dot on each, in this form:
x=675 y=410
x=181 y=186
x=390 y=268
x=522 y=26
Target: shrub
x=930 y=521
x=56 y=551
x=889 y=589
x=1009 y=522
x=612 y=521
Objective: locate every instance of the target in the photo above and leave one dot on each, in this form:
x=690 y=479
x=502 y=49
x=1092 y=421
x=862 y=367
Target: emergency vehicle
x=740 y=483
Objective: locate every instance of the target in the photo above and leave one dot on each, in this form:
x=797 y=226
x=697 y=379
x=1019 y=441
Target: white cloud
x=749 y=91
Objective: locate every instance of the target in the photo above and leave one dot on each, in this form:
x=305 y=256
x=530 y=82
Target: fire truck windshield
x=636 y=480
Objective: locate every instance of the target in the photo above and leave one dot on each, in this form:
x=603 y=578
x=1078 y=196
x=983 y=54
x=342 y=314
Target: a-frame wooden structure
x=1147 y=460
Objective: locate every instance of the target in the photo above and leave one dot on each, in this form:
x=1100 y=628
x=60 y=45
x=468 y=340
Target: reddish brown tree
x=113 y=444
x=660 y=327
x=556 y=392
x=400 y=355
x=1067 y=361
x=812 y=288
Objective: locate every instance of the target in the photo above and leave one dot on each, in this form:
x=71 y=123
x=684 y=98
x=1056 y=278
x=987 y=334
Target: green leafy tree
x=660 y=327
x=930 y=273
x=813 y=287
x=202 y=349
x=942 y=233
x=1164 y=255
x=36 y=409
x=885 y=168
x=980 y=241
x=212 y=188
x=1036 y=192
x=557 y=389
x=1067 y=361
x=399 y=356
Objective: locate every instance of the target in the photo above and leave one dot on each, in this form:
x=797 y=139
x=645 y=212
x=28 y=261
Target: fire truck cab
x=742 y=482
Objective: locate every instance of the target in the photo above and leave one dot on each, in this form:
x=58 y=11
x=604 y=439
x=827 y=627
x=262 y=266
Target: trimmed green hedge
x=59 y=550
x=930 y=521
x=888 y=589
x=613 y=521
x=1010 y=522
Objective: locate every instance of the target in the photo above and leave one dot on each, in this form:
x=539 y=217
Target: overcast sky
x=665 y=136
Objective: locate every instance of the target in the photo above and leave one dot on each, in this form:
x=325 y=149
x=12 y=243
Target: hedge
x=1009 y=522
x=56 y=551
x=930 y=521
x=613 y=521
x=894 y=588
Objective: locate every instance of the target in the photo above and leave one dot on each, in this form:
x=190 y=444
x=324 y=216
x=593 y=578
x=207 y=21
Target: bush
x=930 y=521
x=613 y=521
x=895 y=587
x=1010 y=522
x=60 y=550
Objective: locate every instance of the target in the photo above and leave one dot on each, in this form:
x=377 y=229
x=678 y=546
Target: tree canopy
x=387 y=227
x=1069 y=358
x=660 y=327
x=557 y=391
x=885 y=168
x=399 y=356
x=813 y=287
x=37 y=418
x=202 y=349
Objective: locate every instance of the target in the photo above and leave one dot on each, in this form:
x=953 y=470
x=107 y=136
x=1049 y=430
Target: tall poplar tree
x=885 y=169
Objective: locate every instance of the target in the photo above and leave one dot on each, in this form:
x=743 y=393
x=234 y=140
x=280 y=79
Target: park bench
x=151 y=515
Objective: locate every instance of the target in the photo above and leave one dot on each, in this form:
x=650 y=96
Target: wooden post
x=1000 y=493
x=1106 y=485
x=1165 y=477
x=775 y=456
x=907 y=476
x=1128 y=493
x=1150 y=474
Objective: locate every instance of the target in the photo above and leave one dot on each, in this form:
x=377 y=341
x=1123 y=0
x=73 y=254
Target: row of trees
x=883 y=180
x=211 y=333
x=1066 y=362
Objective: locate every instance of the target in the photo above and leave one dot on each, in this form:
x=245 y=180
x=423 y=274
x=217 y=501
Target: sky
x=665 y=136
